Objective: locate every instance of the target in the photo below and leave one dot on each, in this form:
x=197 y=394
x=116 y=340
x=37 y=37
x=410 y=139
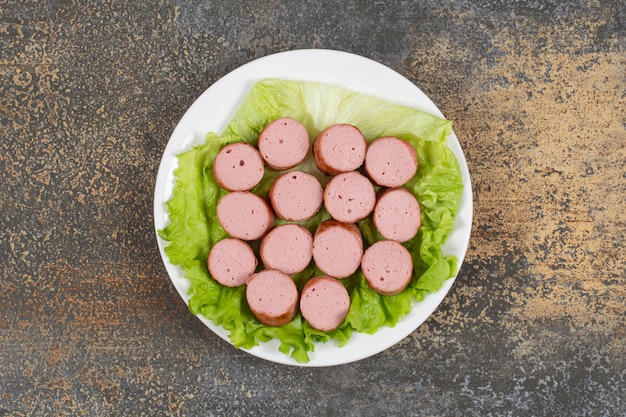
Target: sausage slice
x=339 y=148
x=387 y=267
x=296 y=196
x=287 y=248
x=238 y=167
x=337 y=248
x=390 y=161
x=349 y=197
x=244 y=215
x=324 y=303
x=284 y=143
x=397 y=214
x=272 y=297
x=231 y=262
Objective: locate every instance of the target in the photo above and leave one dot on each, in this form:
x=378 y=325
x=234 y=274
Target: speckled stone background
x=90 y=92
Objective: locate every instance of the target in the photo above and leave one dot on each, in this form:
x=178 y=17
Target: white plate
x=212 y=111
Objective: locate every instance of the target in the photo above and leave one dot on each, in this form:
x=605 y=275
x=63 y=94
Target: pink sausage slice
x=231 y=262
x=296 y=196
x=337 y=248
x=349 y=197
x=397 y=214
x=339 y=148
x=284 y=143
x=238 y=167
x=287 y=248
x=272 y=297
x=324 y=303
x=390 y=161
x=244 y=215
x=387 y=267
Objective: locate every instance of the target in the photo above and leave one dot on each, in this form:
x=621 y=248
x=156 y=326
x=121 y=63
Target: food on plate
x=272 y=297
x=231 y=262
x=284 y=143
x=337 y=248
x=324 y=303
x=349 y=197
x=387 y=267
x=397 y=214
x=245 y=215
x=339 y=148
x=193 y=227
x=390 y=161
x=296 y=196
x=238 y=167
x=287 y=248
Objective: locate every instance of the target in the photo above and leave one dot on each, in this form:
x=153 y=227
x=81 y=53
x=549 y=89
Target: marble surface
x=535 y=323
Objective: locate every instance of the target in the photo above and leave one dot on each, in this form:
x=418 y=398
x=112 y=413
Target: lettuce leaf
x=194 y=228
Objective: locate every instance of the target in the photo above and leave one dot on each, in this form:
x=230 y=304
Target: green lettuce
x=194 y=228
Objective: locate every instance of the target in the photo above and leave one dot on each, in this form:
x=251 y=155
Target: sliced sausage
x=337 y=248
x=390 y=161
x=397 y=214
x=231 y=262
x=287 y=248
x=296 y=196
x=238 y=167
x=324 y=303
x=284 y=143
x=387 y=267
x=244 y=215
x=339 y=148
x=272 y=297
x=349 y=197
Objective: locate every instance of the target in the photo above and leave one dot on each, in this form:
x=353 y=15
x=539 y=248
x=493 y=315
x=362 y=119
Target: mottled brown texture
x=89 y=321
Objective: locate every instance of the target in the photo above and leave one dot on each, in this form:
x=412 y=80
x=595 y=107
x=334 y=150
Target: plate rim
x=184 y=136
